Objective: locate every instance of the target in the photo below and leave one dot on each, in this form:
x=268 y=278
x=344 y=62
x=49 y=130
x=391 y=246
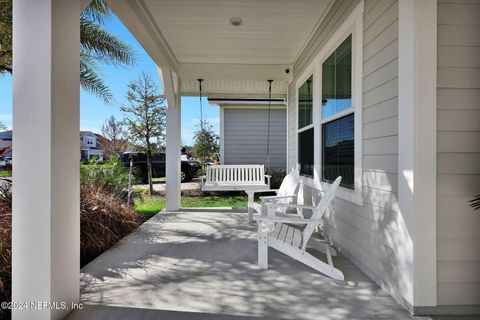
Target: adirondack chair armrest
x=289 y=205
x=298 y=221
x=273 y=198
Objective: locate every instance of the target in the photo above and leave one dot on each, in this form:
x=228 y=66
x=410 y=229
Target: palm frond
x=97 y=11
x=91 y=81
x=5 y=36
x=104 y=46
x=475 y=203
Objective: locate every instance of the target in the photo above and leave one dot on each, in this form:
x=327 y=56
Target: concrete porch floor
x=202 y=264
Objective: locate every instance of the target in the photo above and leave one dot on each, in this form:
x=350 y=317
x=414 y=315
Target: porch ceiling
x=198 y=31
x=195 y=38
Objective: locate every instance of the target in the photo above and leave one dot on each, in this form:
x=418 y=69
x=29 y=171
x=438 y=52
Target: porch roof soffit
x=230 y=61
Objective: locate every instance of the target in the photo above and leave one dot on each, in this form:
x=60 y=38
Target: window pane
x=305 y=152
x=337 y=80
x=305 y=103
x=338 y=157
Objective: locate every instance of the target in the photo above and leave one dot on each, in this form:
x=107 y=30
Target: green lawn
x=152 y=205
x=5 y=173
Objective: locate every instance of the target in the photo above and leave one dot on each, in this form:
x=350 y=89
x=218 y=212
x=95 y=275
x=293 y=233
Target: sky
x=94 y=112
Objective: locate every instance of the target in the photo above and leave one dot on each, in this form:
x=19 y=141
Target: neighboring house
x=90 y=146
x=6 y=142
x=244 y=128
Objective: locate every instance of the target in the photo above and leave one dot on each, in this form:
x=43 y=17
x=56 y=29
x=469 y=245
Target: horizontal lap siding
x=369 y=233
x=292 y=120
x=458 y=152
x=245 y=136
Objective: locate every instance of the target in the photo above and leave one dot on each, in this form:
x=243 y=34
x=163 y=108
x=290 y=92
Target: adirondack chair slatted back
x=234 y=174
x=289 y=186
x=320 y=210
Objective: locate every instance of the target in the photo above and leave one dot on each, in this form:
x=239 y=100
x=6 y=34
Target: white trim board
x=417 y=109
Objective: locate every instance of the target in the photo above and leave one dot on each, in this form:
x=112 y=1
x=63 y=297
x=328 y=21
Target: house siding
x=245 y=136
x=369 y=234
x=292 y=135
x=458 y=153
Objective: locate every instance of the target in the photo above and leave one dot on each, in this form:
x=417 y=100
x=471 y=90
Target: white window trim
x=310 y=72
x=352 y=25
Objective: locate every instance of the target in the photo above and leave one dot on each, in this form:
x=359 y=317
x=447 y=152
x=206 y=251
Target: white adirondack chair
x=281 y=234
x=286 y=193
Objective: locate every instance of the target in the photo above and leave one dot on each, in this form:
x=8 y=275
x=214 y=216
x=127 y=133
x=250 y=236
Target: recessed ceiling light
x=236 y=22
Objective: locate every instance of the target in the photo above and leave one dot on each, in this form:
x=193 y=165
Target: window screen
x=338 y=157
x=305 y=103
x=337 y=80
x=305 y=152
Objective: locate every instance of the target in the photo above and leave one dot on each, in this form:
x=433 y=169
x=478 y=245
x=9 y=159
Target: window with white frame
x=306 y=128
x=337 y=117
x=331 y=96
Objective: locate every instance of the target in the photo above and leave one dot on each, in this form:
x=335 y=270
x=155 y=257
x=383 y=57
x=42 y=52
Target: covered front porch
x=202 y=264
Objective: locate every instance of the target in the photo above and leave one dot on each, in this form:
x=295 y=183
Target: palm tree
x=475 y=203
x=97 y=46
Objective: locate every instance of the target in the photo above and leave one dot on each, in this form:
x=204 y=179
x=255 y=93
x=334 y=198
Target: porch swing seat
x=235 y=178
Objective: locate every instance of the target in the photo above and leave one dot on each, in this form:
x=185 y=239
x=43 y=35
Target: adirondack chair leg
x=262 y=248
x=306 y=258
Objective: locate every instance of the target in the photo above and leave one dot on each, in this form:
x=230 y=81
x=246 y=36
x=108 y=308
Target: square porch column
x=46 y=154
x=173 y=138
x=417 y=156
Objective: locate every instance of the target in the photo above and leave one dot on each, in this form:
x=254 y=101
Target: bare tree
x=145 y=118
x=115 y=134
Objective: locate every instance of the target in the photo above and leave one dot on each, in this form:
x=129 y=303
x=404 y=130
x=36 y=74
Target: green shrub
x=112 y=175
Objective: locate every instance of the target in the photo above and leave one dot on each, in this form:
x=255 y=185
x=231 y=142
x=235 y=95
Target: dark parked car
x=189 y=168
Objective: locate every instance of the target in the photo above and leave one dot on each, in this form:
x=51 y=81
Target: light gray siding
x=292 y=135
x=245 y=136
x=458 y=152
x=369 y=234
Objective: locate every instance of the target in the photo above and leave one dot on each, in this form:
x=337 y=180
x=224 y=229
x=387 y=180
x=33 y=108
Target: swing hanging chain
x=201 y=105
x=267 y=153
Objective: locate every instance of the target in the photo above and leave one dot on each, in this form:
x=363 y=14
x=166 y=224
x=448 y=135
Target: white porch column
x=417 y=92
x=173 y=137
x=46 y=146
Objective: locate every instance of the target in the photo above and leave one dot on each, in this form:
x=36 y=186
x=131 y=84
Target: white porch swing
x=239 y=177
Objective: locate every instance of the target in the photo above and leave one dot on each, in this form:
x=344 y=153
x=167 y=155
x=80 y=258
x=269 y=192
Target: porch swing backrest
x=235 y=177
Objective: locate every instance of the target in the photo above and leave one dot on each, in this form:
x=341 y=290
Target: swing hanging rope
x=267 y=152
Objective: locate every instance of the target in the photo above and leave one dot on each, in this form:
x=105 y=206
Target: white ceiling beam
x=222 y=71
x=235 y=88
x=136 y=17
